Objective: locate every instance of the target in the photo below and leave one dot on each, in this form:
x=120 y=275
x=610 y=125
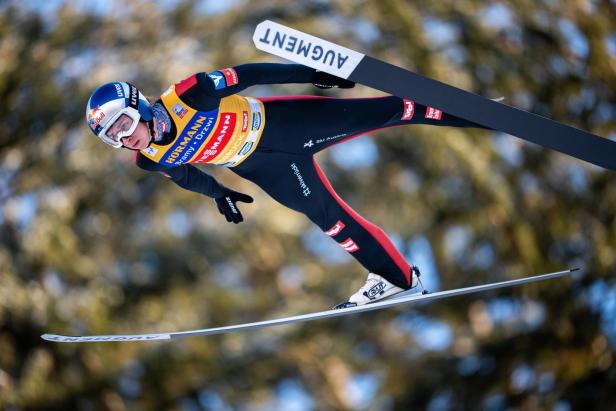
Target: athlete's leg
x=297 y=182
x=309 y=124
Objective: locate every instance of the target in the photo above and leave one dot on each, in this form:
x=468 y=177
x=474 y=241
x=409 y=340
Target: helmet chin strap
x=151 y=128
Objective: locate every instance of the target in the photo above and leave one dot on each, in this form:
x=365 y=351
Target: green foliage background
x=89 y=244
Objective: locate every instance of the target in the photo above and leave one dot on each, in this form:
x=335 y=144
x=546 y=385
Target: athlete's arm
x=204 y=90
x=272 y=73
x=232 y=80
x=186 y=176
x=191 y=178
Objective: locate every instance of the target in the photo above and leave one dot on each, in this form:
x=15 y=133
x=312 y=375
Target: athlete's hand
x=325 y=80
x=228 y=207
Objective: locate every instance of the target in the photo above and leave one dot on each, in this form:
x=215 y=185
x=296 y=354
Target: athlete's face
x=140 y=138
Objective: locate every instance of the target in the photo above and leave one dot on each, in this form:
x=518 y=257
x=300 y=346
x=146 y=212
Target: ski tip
x=104 y=338
x=51 y=337
x=576 y=273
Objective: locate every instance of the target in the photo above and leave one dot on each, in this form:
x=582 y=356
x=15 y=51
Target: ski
x=408 y=299
x=323 y=55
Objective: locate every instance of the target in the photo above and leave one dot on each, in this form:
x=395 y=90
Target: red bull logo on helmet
x=95 y=116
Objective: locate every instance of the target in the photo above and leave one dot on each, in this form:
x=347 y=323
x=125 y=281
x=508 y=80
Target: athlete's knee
x=339 y=232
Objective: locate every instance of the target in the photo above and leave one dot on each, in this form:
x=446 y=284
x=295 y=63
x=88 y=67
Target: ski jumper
x=272 y=142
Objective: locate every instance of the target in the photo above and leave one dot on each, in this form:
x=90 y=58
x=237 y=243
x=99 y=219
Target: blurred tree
x=90 y=244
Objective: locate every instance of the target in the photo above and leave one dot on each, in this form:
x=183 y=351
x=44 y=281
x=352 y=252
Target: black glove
x=324 y=80
x=227 y=207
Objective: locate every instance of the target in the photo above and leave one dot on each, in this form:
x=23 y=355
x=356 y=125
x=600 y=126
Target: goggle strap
x=133 y=97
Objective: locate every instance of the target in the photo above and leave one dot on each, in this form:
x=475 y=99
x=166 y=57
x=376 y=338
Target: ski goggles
x=122 y=124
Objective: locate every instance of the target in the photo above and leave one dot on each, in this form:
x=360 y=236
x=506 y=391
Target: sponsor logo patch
x=119 y=90
x=230 y=76
x=219 y=80
x=219 y=139
x=433 y=113
x=336 y=229
x=185 y=146
x=231 y=205
x=134 y=97
x=150 y=151
x=179 y=110
x=305 y=49
x=374 y=292
x=349 y=245
x=246 y=148
x=302 y=184
x=244 y=121
x=409 y=109
x=256 y=121
x=324 y=140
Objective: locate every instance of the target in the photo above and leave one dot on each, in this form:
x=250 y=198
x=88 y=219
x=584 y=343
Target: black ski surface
x=340 y=61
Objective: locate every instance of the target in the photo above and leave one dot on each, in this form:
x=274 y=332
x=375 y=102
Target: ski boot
x=377 y=288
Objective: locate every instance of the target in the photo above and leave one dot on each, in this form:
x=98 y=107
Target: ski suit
x=272 y=141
